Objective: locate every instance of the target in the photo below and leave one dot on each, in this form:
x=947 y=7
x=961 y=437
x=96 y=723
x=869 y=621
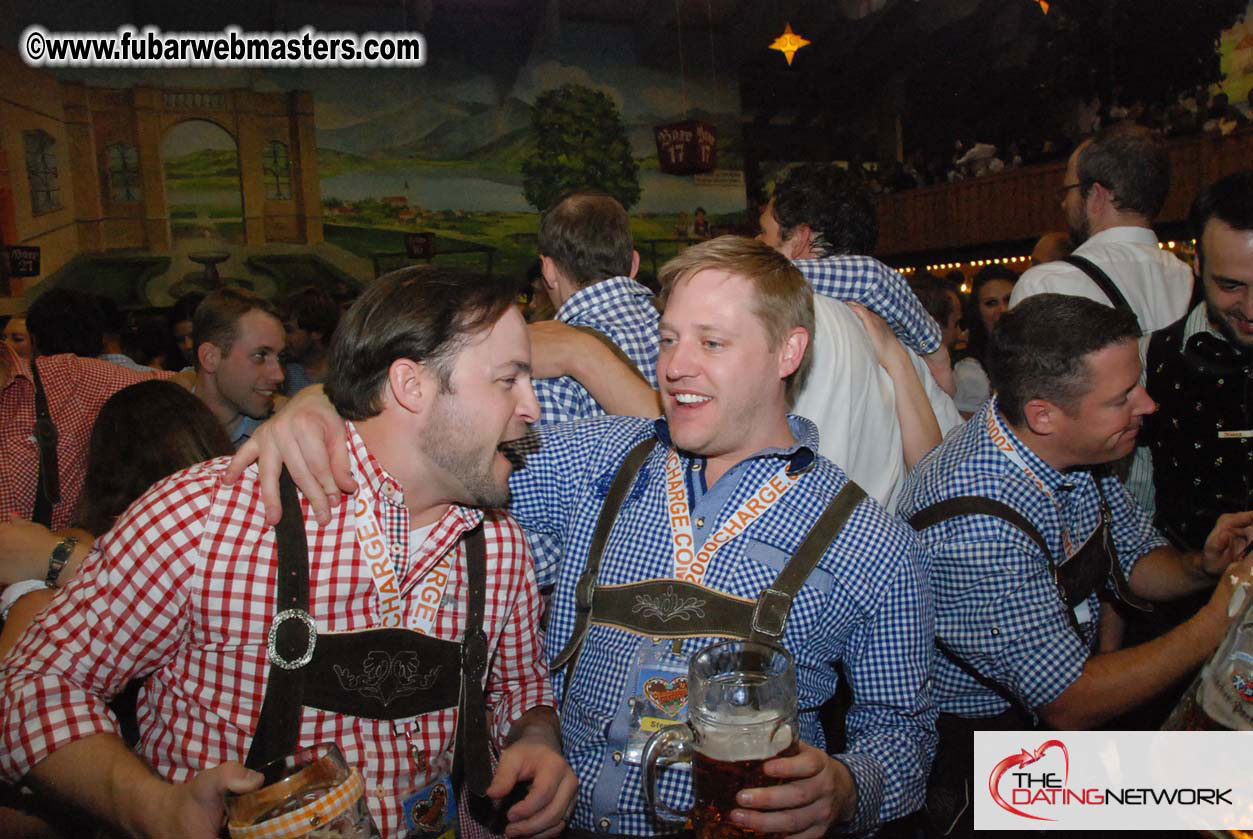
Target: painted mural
x=173 y=181
x=1236 y=49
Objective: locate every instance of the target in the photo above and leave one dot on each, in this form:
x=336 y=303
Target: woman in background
x=142 y=434
x=988 y=301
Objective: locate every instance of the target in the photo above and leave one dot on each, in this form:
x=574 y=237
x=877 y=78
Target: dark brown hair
x=217 y=318
x=423 y=313
x=144 y=433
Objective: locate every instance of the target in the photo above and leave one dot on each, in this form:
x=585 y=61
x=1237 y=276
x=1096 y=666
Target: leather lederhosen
x=670 y=608
x=382 y=674
x=1093 y=568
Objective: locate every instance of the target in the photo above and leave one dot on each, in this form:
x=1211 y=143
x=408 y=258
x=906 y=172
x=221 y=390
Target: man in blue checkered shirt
x=1018 y=631
x=1020 y=521
x=726 y=468
x=588 y=267
x=733 y=336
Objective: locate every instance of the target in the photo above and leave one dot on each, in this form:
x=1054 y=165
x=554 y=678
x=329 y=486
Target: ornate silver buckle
x=271 y=648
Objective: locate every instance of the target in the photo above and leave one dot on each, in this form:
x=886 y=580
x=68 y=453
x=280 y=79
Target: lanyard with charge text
x=1000 y=437
x=690 y=563
x=373 y=545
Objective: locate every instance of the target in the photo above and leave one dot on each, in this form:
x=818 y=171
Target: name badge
x=1235 y=435
x=659 y=698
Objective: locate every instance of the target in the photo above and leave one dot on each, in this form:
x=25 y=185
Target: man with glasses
x=1115 y=184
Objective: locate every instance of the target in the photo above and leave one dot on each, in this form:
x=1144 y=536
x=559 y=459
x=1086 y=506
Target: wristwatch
x=60 y=555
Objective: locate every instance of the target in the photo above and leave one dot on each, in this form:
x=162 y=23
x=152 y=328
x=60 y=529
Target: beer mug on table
x=741 y=712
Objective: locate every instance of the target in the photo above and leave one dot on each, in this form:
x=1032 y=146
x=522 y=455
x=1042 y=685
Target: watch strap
x=56 y=561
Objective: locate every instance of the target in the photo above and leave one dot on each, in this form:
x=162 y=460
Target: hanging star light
x=788 y=43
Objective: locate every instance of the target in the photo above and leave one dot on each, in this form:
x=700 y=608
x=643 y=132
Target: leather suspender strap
x=292 y=639
x=1106 y=285
x=608 y=514
x=986 y=681
x=774 y=603
x=48 y=484
x=977 y=505
x=769 y=613
x=1122 y=588
x=279 y=726
x=472 y=758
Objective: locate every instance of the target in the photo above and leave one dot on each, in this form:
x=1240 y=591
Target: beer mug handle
x=674 y=743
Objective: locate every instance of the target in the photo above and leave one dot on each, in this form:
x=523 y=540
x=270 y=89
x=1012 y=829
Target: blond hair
x=784 y=299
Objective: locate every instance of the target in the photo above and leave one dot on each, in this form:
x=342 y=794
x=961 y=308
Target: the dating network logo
x=1044 y=785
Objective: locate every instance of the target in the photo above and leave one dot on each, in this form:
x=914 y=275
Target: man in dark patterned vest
x=1198 y=371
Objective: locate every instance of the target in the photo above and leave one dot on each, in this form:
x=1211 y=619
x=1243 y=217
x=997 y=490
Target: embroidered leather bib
x=382 y=674
x=671 y=608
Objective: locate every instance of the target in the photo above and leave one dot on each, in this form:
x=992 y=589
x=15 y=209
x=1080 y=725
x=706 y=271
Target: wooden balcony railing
x=1023 y=203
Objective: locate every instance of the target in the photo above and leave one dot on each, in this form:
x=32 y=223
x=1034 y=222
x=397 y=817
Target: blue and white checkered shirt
x=866 y=604
x=620 y=309
x=866 y=280
x=996 y=604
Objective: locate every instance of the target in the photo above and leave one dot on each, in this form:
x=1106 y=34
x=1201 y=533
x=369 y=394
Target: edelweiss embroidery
x=668 y=606
x=387 y=677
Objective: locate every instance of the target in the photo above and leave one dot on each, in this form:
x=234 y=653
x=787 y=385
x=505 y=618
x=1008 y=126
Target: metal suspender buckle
x=770 y=613
x=271 y=647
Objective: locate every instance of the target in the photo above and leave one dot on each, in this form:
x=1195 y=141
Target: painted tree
x=580 y=143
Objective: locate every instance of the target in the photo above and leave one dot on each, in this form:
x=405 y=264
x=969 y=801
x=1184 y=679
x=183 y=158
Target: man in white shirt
x=1115 y=184
x=816 y=212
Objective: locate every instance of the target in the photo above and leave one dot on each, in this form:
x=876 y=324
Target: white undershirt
x=417 y=537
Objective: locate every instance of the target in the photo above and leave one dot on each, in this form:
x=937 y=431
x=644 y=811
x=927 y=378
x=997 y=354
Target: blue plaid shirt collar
x=800 y=455
x=382 y=486
x=592 y=299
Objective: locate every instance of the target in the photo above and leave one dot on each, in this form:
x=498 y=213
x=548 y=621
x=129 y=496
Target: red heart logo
x=669 y=696
x=1024 y=758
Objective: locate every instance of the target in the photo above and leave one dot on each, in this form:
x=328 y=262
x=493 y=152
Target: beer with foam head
x=741 y=713
x=729 y=757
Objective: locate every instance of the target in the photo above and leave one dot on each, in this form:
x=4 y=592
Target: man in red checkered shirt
x=76 y=388
x=431 y=372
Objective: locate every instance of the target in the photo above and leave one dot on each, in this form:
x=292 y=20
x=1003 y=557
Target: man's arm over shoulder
x=518 y=680
x=554 y=465
x=865 y=280
x=124 y=614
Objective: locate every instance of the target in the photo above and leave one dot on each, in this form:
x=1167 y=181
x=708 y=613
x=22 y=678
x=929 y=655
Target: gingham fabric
x=623 y=311
x=867 y=605
x=996 y=603
x=183 y=589
x=865 y=280
x=76 y=388
x=296 y=823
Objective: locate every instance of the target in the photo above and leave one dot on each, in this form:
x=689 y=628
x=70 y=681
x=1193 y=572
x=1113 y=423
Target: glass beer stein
x=311 y=794
x=741 y=712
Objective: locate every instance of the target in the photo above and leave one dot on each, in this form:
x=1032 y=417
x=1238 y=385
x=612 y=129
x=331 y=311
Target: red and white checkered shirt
x=183 y=589
x=76 y=388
